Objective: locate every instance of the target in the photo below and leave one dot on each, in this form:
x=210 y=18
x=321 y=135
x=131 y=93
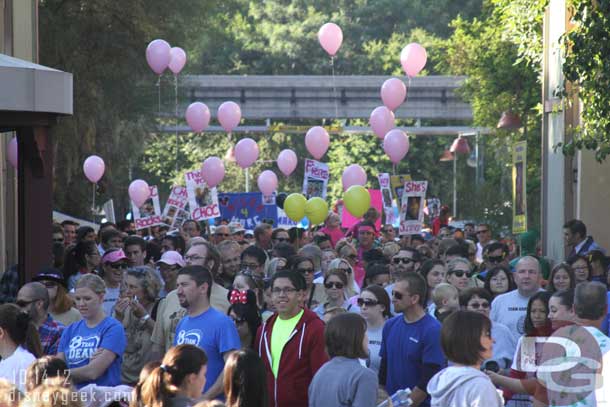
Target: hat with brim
x=50 y=274
x=172 y=258
x=113 y=256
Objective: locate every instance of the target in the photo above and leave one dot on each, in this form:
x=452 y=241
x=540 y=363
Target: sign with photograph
x=203 y=201
x=149 y=214
x=412 y=207
x=397 y=183
x=386 y=196
x=175 y=213
x=315 y=181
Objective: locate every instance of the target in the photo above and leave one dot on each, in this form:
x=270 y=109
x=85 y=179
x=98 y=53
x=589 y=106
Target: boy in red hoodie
x=290 y=343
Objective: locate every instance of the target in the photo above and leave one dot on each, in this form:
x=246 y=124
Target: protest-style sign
x=386 y=196
x=149 y=214
x=398 y=182
x=412 y=208
x=315 y=180
x=247 y=208
x=203 y=201
x=348 y=220
x=175 y=213
x=283 y=221
x=108 y=209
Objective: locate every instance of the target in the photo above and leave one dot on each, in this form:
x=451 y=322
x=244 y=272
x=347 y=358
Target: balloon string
x=93 y=204
x=159 y=93
x=408 y=88
x=176 y=119
x=393 y=168
x=332 y=69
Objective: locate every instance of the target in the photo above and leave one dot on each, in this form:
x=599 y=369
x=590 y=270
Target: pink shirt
x=334 y=234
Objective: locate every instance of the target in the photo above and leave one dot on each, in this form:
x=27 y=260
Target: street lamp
x=509 y=121
x=459 y=146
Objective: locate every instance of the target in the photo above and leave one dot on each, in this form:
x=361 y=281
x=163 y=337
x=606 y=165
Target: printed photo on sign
x=386 y=196
x=397 y=183
x=315 y=180
x=412 y=209
x=203 y=201
x=174 y=213
x=149 y=214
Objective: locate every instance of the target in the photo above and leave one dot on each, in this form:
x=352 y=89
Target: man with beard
x=204 y=326
x=230 y=260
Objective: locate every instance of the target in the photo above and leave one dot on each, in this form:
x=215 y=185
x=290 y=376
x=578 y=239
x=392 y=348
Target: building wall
x=18 y=38
x=593 y=199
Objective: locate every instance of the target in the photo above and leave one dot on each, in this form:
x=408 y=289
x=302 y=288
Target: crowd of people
x=289 y=318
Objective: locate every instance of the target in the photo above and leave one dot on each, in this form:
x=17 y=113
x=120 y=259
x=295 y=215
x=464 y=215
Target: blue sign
x=247 y=208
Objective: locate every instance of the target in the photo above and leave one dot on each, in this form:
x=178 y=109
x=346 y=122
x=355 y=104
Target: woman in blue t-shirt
x=93 y=347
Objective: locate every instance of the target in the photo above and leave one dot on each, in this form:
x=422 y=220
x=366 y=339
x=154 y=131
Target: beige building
x=573 y=187
x=18 y=38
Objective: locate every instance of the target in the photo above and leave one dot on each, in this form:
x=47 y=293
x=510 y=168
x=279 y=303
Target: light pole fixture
x=509 y=121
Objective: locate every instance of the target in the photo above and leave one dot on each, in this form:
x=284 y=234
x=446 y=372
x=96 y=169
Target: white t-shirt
x=110 y=299
x=374 y=336
x=510 y=309
x=14 y=367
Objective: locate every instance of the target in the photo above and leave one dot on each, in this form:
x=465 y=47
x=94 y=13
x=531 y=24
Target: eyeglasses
x=285 y=290
x=24 y=303
x=120 y=266
x=222 y=234
x=459 y=273
x=477 y=305
x=58 y=240
x=403 y=260
x=238 y=321
x=495 y=259
x=397 y=295
x=336 y=285
x=248 y=265
x=305 y=270
x=366 y=301
x=482 y=231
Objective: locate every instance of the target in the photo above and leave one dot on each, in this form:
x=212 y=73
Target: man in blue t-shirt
x=411 y=343
x=204 y=326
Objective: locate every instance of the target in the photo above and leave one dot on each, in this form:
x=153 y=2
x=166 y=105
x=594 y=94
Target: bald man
x=510 y=308
x=33 y=298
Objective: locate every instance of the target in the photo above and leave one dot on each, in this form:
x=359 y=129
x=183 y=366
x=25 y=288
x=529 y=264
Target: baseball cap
x=50 y=273
x=249 y=233
x=236 y=228
x=113 y=256
x=171 y=258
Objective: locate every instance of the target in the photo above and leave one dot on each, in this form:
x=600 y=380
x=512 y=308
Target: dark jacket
x=302 y=356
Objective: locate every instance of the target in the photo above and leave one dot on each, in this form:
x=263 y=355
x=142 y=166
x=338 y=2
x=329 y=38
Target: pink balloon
x=229 y=115
x=396 y=145
x=246 y=152
x=177 y=59
x=139 y=192
x=267 y=182
x=213 y=171
x=317 y=141
x=13 y=153
x=287 y=161
x=94 y=168
x=158 y=55
x=393 y=93
x=330 y=37
x=197 y=116
x=413 y=59
x=381 y=121
x=353 y=175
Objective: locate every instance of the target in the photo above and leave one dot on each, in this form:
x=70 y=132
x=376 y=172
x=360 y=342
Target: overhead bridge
x=306 y=97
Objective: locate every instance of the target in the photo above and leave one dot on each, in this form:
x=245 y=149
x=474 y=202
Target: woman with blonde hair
x=343 y=265
x=61 y=305
x=177 y=382
x=96 y=334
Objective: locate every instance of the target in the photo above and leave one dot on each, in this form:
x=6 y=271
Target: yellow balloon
x=316 y=210
x=294 y=206
x=357 y=200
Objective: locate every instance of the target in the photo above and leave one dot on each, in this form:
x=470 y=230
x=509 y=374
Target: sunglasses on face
x=222 y=234
x=397 y=295
x=477 y=305
x=403 y=260
x=58 y=240
x=459 y=273
x=305 y=270
x=120 y=266
x=366 y=301
x=238 y=321
x=24 y=303
x=336 y=285
x=482 y=231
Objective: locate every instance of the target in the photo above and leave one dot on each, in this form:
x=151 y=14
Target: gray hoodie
x=460 y=386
